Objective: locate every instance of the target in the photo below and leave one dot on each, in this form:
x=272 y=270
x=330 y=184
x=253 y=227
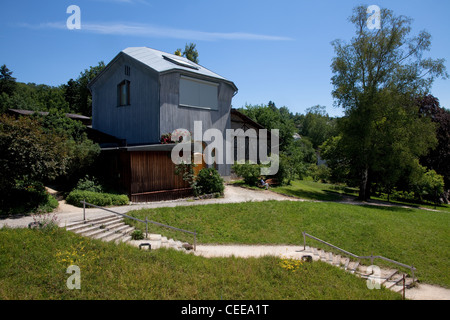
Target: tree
x=7 y=81
x=190 y=52
x=317 y=125
x=28 y=156
x=76 y=92
x=270 y=117
x=438 y=158
x=376 y=78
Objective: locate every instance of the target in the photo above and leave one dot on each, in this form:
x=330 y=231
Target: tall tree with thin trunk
x=376 y=77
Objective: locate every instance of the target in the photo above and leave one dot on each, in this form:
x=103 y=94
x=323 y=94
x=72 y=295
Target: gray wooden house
x=143 y=94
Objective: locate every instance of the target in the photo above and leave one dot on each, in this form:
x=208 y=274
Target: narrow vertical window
x=123 y=93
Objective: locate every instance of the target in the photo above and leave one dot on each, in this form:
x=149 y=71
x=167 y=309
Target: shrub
x=137 y=235
x=250 y=172
x=209 y=181
x=89 y=184
x=96 y=198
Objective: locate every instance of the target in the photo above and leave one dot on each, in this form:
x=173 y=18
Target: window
x=127 y=70
x=198 y=93
x=123 y=93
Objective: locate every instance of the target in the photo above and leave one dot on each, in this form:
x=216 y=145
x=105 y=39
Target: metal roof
x=156 y=60
x=44 y=113
x=163 y=62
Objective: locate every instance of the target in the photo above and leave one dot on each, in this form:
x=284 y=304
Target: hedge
x=96 y=198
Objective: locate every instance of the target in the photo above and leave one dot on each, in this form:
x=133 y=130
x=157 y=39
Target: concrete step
x=92 y=231
x=80 y=228
x=111 y=228
x=74 y=225
x=120 y=235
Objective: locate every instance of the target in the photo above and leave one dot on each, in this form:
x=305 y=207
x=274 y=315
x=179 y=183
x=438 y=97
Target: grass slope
x=411 y=236
x=33 y=266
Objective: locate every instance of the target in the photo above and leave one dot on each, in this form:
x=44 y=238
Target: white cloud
x=143 y=30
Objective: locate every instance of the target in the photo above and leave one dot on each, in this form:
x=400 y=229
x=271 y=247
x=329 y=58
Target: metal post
x=146 y=228
x=304 y=241
x=84 y=209
x=195 y=240
x=403 y=286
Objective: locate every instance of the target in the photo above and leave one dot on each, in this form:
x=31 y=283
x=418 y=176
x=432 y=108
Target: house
x=143 y=94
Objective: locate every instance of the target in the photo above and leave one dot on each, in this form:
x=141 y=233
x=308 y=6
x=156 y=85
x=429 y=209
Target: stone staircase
x=390 y=278
x=112 y=228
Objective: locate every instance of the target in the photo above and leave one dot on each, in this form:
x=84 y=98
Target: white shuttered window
x=198 y=93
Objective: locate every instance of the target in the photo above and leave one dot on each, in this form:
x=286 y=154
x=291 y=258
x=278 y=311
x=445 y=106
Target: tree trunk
x=364 y=186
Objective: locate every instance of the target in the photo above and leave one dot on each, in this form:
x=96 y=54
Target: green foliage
x=137 y=235
x=190 y=52
x=376 y=77
x=89 y=184
x=28 y=154
x=428 y=186
x=270 y=117
x=186 y=170
x=250 y=172
x=76 y=92
x=96 y=198
x=438 y=158
x=337 y=162
x=7 y=81
x=34 y=97
x=209 y=181
x=319 y=173
x=26 y=197
x=317 y=125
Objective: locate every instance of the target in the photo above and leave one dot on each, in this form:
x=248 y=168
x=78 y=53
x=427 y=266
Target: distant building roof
x=85 y=120
x=163 y=62
x=242 y=121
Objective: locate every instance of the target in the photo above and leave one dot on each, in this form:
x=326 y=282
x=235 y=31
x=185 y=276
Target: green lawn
x=33 y=266
x=411 y=236
x=311 y=190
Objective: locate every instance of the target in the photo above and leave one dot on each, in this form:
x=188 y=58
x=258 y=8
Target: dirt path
x=67 y=213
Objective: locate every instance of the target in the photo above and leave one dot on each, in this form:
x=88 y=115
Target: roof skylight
x=181 y=62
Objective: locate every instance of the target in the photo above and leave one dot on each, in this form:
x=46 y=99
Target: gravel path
x=66 y=213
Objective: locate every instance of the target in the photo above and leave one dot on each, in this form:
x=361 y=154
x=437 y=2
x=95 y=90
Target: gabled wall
x=173 y=116
x=138 y=122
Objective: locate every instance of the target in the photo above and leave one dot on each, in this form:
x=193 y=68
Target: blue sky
x=272 y=50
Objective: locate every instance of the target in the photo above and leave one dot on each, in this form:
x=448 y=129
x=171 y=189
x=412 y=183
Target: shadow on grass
x=324 y=195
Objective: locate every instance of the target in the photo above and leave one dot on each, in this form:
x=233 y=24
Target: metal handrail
x=371 y=257
x=146 y=221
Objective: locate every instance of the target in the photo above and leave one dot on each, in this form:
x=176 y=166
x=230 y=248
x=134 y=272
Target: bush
x=137 y=235
x=319 y=173
x=250 y=172
x=27 y=197
x=209 y=181
x=89 y=184
x=96 y=198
